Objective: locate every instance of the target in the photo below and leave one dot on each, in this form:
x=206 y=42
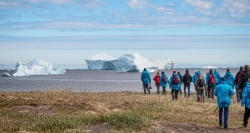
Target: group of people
x=211 y=85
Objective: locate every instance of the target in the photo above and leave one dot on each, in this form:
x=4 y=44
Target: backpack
x=175 y=80
x=200 y=81
x=211 y=79
x=164 y=79
x=238 y=77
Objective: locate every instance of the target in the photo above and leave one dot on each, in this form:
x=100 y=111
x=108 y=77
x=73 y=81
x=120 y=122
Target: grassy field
x=66 y=111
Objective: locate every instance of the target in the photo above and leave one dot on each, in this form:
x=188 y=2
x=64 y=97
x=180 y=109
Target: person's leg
x=148 y=89
x=220 y=115
x=144 y=88
x=185 y=94
x=237 y=94
x=172 y=93
x=246 y=116
x=202 y=94
x=164 y=90
x=212 y=92
x=240 y=95
x=188 y=91
x=180 y=90
x=225 y=117
x=208 y=91
x=176 y=94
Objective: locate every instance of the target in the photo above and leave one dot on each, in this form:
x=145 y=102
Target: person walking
x=146 y=80
x=236 y=82
x=210 y=84
x=223 y=91
x=174 y=85
x=164 y=80
x=217 y=76
x=243 y=79
x=229 y=77
x=246 y=101
x=200 y=87
x=157 y=82
x=187 y=79
x=180 y=76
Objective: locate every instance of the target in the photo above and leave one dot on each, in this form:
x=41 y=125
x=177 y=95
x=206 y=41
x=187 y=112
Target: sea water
x=90 y=80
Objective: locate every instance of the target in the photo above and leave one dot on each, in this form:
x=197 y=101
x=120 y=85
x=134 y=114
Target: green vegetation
x=66 y=111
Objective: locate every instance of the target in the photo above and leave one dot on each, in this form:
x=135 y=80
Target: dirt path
x=167 y=127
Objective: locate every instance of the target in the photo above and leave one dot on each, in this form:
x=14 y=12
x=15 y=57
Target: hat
x=162 y=72
x=174 y=71
x=144 y=69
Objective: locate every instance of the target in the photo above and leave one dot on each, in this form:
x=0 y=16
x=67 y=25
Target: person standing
x=236 y=82
x=246 y=101
x=146 y=80
x=200 y=87
x=229 y=77
x=164 y=81
x=180 y=76
x=174 y=85
x=157 y=82
x=210 y=84
x=243 y=79
x=223 y=91
x=217 y=76
x=187 y=79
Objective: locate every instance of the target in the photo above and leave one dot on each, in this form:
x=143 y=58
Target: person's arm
x=149 y=78
x=244 y=97
x=215 y=90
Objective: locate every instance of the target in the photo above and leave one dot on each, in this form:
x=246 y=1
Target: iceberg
x=126 y=63
x=209 y=67
x=36 y=67
x=5 y=74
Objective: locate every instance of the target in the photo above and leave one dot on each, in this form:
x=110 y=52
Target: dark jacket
x=187 y=79
x=244 y=79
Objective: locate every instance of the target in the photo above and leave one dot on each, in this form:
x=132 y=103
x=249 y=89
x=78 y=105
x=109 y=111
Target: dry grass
x=66 y=111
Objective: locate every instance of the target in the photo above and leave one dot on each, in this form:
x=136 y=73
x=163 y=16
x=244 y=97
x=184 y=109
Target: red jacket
x=157 y=79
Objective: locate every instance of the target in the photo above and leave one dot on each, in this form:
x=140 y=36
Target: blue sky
x=68 y=31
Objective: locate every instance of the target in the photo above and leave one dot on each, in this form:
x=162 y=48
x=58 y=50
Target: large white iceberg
x=126 y=63
x=36 y=67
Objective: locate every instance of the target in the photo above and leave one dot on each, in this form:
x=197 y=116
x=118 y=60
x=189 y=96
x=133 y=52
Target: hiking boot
x=244 y=125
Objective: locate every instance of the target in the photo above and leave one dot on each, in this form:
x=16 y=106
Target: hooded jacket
x=223 y=91
x=217 y=76
x=243 y=81
x=197 y=81
x=246 y=96
x=194 y=78
x=156 y=78
x=145 y=77
x=175 y=87
x=230 y=78
x=164 y=84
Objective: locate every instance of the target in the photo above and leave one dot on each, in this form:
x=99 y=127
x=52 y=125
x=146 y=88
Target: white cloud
x=55 y=1
x=7 y=3
x=236 y=8
x=202 y=6
x=139 y=4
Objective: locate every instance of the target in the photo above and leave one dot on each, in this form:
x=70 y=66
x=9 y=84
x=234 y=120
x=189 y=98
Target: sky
x=193 y=33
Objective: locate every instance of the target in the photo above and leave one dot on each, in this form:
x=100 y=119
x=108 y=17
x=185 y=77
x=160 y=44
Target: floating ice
x=126 y=63
x=5 y=74
x=209 y=67
x=36 y=67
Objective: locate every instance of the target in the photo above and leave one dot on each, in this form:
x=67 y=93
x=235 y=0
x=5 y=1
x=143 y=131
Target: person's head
x=211 y=71
x=241 y=68
x=228 y=70
x=144 y=69
x=162 y=72
x=246 y=67
x=174 y=71
x=158 y=73
x=178 y=72
x=187 y=71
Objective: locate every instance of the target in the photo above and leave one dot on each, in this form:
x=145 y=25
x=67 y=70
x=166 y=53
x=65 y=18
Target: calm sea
x=88 y=80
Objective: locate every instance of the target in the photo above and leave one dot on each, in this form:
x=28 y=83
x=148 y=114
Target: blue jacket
x=164 y=84
x=223 y=91
x=246 y=96
x=217 y=76
x=230 y=78
x=194 y=78
x=174 y=87
x=207 y=78
x=145 y=77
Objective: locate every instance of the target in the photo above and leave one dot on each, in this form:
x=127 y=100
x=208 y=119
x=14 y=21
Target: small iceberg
x=5 y=74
